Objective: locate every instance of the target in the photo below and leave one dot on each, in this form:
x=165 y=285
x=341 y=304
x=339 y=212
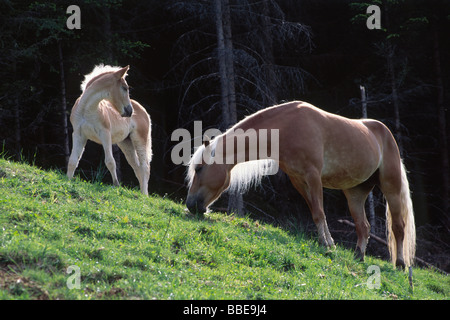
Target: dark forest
x=319 y=51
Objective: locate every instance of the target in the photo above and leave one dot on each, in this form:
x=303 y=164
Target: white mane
x=243 y=175
x=98 y=70
x=247 y=174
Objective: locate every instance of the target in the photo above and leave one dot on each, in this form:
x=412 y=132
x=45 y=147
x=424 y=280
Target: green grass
x=128 y=246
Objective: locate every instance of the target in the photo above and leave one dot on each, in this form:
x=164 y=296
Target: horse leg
x=398 y=226
x=144 y=172
x=356 y=198
x=391 y=185
x=79 y=142
x=109 y=158
x=141 y=147
x=130 y=154
x=310 y=187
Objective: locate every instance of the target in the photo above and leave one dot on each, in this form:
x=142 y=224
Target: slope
x=62 y=239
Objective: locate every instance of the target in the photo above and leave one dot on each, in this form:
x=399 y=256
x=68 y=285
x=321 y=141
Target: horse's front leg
x=310 y=187
x=79 y=142
x=109 y=158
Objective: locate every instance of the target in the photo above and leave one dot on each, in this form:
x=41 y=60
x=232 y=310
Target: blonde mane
x=247 y=174
x=98 y=70
x=244 y=175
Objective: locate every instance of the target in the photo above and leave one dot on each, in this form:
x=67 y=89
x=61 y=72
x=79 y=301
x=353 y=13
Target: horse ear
x=207 y=143
x=121 y=72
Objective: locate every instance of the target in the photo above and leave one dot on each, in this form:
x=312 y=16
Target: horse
x=317 y=150
x=105 y=114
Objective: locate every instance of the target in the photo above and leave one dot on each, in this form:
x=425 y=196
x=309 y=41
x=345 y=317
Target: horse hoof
x=359 y=255
x=329 y=246
x=400 y=264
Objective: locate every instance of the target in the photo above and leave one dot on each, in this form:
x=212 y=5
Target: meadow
x=62 y=239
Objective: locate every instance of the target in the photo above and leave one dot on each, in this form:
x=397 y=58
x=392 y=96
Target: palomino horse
x=316 y=149
x=105 y=114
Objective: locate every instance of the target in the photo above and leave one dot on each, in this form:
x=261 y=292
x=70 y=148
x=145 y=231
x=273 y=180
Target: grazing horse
x=105 y=114
x=316 y=149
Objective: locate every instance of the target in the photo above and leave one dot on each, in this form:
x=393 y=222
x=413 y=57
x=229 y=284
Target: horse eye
x=125 y=88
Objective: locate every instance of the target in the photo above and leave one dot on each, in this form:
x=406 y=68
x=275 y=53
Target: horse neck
x=90 y=99
x=256 y=139
x=251 y=139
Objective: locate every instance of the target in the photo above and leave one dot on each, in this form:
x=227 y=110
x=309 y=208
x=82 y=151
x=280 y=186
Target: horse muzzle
x=127 y=111
x=195 y=205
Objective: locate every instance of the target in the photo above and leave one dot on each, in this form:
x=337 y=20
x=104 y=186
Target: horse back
x=345 y=151
x=141 y=121
x=74 y=110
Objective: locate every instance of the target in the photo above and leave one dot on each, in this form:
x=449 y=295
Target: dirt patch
x=18 y=285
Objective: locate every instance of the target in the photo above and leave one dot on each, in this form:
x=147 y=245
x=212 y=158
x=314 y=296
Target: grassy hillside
x=128 y=246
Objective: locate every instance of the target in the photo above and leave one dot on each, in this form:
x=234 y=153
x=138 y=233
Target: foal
x=105 y=114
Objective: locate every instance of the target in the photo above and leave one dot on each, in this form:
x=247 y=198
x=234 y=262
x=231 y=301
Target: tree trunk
x=390 y=56
x=17 y=128
x=370 y=197
x=270 y=75
x=109 y=59
x=227 y=85
x=224 y=84
x=441 y=118
x=108 y=34
x=66 y=148
x=229 y=62
x=395 y=99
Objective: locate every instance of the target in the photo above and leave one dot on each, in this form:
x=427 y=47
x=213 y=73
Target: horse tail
x=144 y=128
x=409 y=229
x=149 y=141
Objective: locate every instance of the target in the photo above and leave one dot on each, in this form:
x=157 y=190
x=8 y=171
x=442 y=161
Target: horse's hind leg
x=144 y=170
x=310 y=187
x=140 y=145
x=127 y=147
x=356 y=198
x=391 y=186
x=398 y=227
x=130 y=154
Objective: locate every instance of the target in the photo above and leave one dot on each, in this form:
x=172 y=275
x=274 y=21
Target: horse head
x=118 y=93
x=207 y=179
